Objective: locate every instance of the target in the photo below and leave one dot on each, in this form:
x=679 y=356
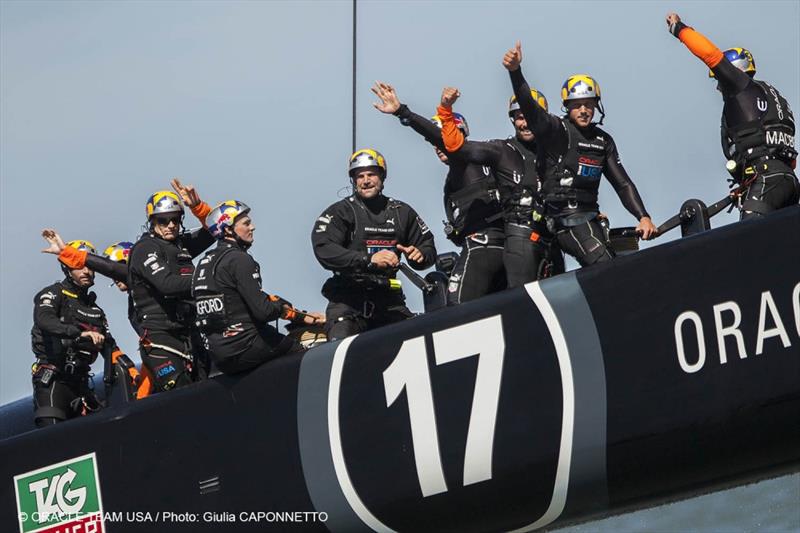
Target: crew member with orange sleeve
x=757 y=126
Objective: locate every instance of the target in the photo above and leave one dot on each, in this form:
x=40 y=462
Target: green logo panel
x=57 y=494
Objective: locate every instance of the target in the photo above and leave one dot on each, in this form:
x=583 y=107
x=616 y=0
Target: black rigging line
x=354 y=78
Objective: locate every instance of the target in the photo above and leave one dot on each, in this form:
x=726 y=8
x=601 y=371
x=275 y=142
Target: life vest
x=79 y=310
x=371 y=233
x=770 y=135
x=469 y=208
x=169 y=312
x=518 y=191
x=217 y=308
x=575 y=176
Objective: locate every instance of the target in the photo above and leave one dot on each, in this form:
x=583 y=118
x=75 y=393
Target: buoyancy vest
x=574 y=177
x=217 y=307
x=153 y=309
x=517 y=191
x=771 y=134
x=469 y=208
x=78 y=309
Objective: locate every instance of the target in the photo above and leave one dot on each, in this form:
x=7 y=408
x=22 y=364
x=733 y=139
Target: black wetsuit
x=757 y=132
x=160 y=282
x=232 y=310
x=61 y=381
x=344 y=238
x=516 y=168
x=474 y=220
x=575 y=159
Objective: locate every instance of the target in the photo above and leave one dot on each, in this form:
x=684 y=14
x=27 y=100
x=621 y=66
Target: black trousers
x=352 y=312
x=770 y=191
x=480 y=268
x=168 y=357
x=526 y=260
x=264 y=348
x=585 y=242
x=62 y=398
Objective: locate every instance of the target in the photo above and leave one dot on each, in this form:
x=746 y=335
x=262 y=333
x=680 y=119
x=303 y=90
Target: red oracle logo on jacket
x=376 y=245
x=588 y=167
x=188 y=270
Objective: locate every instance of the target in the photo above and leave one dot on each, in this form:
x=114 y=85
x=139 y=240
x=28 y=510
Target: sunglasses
x=165 y=221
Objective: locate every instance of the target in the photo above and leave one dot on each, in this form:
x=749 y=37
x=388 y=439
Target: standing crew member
x=114 y=262
x=757 y=126
x=474 y=217
x=577 y=152
x=529 y=253
x=160 y=282
x=232 y=310
x=69 y=331
x=360 y=239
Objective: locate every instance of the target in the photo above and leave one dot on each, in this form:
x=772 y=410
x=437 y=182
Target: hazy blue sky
x=102 y=102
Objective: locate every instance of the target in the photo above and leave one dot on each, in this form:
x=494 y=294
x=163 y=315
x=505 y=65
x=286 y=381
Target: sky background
x=101 y=103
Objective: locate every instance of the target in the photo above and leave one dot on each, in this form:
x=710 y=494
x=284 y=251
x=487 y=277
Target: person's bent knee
x=341 y=327
x=596 y=253
x=47 y=421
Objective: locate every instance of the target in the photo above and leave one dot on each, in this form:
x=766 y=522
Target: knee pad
x=47 y=421
x=343 y=326
x=596 y=252
x=755 y=208
x=48 y=415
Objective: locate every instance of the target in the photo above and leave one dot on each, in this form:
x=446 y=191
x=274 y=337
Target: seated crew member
x=231 y=308
x=69 y=331
x=160 y=280
x=360 y=239
x=576 y=153
x=757 y=126
x=474 y=217
x=530 y=252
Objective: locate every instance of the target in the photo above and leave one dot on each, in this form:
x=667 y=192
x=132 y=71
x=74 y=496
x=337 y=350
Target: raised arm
x=390 y=105
x=196 y=241
x=731 y=79
x=541 y=123
x=76 y=259
x=481 y=153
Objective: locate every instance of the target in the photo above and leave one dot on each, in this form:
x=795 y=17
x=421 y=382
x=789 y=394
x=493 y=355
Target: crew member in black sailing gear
x=757 y=126
x=160 y=281
x=576 y=153
x=114 y=261
x=69 y=331
x=474 y=217
x=529 y=252
x=231 y=308
x=360 y=239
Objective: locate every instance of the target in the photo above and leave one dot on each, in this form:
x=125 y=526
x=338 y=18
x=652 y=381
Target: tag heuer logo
x=61 y=497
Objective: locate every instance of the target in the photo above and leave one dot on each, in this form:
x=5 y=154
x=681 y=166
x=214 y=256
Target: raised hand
x=54 y=240
x=187 y=193
x=449 y=96
x=672 y=18
x=513 y=58
x=389 y=103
